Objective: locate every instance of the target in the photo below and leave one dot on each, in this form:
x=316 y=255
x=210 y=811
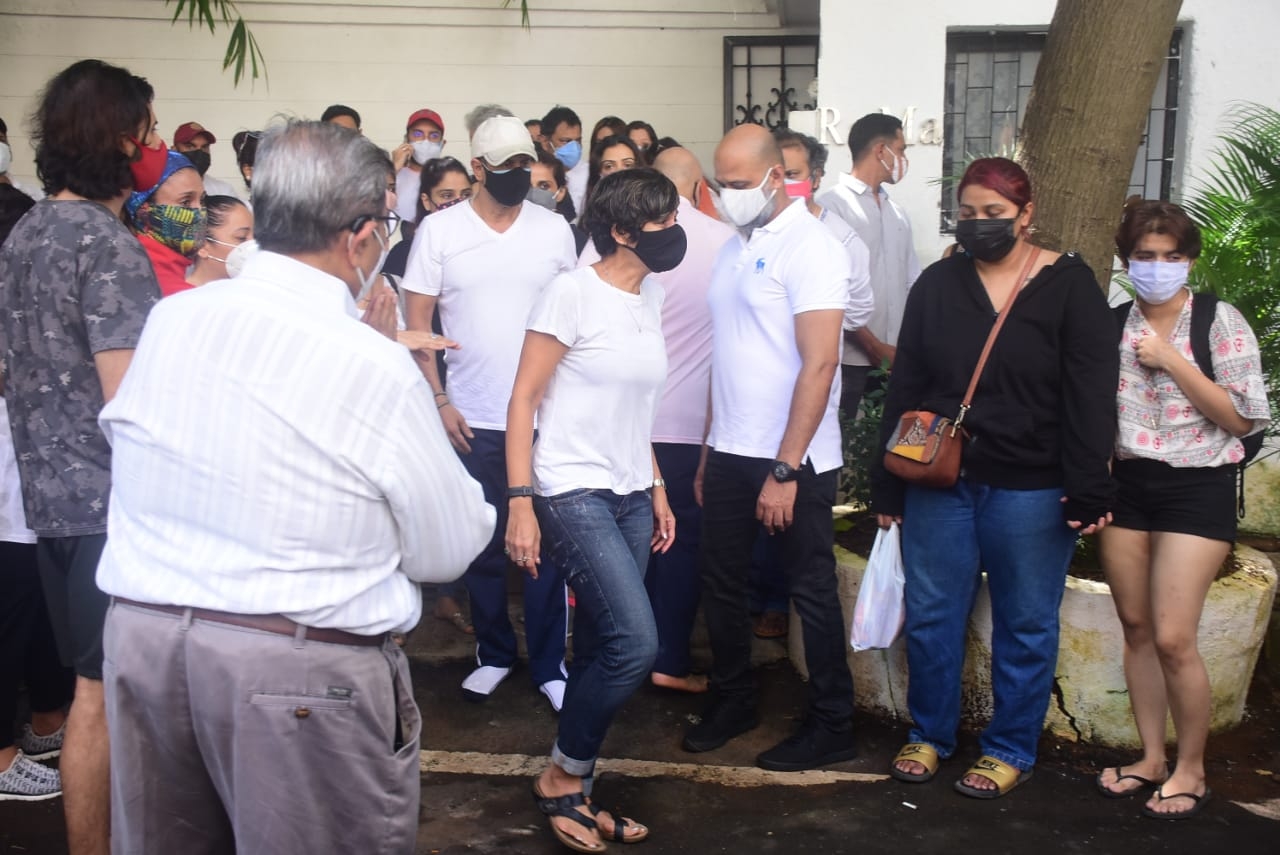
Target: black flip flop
x=620 y=826
x=1198 y=805
x=567 y=807
x=1109 y=793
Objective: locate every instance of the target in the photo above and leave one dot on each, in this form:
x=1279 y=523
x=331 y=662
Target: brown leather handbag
x=927 y=447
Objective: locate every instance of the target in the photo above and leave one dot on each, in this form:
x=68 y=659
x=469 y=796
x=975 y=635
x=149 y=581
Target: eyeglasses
x=392 y=220
x=419 y=134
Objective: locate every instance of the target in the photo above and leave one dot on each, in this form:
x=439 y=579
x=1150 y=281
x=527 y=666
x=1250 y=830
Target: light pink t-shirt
x=686 y=325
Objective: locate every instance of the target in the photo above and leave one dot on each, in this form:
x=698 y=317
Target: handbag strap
x=991 y=337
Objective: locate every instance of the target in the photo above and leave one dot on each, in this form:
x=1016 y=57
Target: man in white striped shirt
x=282 y=488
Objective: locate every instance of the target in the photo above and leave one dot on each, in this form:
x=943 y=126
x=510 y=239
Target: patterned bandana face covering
x=173 y=226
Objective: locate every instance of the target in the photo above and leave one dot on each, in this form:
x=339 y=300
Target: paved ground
x=478 y=761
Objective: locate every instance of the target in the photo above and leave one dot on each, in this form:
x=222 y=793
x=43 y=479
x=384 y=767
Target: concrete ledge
x=1090 y=701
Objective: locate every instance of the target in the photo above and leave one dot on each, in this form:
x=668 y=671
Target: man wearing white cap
x=484 y=263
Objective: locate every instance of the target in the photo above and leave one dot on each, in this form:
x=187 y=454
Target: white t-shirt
x=686 y=325
x=789 y=266
x=13 y=520
x=486 y=282
x=596 y=418
x=408 y=180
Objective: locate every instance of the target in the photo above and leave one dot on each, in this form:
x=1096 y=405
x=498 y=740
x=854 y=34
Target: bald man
x=773 y=454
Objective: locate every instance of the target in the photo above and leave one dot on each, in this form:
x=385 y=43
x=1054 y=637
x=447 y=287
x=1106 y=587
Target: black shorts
x=77 y=608
x=1155 y=496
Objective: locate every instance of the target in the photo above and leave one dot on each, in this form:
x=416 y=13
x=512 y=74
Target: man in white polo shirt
x=778 y=295
x=484 y=263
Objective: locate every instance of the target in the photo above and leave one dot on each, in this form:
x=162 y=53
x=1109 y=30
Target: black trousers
x=731 y=486
x=28 y=652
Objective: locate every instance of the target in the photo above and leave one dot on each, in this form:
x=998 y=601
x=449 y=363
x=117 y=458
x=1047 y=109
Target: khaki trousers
x=232 y=740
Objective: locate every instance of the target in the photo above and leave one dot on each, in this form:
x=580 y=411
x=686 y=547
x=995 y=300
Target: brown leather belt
x=278 y=624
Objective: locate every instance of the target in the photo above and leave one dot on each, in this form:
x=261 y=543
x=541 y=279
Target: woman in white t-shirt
x=593 y=366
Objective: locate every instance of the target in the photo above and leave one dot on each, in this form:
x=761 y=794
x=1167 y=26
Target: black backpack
x=1203 y=309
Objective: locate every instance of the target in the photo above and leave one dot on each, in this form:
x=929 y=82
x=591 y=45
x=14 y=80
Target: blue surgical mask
x=1157 y=282
x=569 y=154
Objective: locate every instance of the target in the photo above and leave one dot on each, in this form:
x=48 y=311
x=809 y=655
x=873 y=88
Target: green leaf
x=524 y=11
x=242 y=47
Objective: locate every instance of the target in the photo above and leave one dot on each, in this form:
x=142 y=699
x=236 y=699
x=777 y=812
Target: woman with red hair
x=1033 y=471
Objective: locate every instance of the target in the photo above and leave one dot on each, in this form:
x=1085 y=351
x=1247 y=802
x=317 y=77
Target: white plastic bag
x=880 y=611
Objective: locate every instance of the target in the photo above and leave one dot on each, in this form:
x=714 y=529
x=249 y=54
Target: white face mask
x=746 y=209
x=6 y=157
x=367 y=283
x=237 y=257
x=1157 y=282
x=898 y=170
x=424 y=150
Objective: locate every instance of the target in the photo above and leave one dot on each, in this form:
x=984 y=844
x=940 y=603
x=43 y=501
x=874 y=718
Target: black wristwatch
x=783 y=472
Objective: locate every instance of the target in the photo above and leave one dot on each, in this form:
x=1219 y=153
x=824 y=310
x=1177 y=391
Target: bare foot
x=694 y=684
x=1110 y=778
x=911 y=767
x=633 y=831
x=978 y=782
x=553 y=783
x=1177 y=783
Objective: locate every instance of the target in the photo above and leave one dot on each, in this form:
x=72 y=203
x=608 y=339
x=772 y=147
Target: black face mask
x=508 y=188
x=662 y=250
x=987 y=240
x=200 y=159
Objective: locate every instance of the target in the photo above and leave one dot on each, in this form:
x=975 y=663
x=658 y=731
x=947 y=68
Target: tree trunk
x=1086 y=117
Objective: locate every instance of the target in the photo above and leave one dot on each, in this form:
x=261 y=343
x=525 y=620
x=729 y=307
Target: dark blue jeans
x=1022 y=541
x=601 y=540
x=545 y=606
x=672 y=580
x=805 y=550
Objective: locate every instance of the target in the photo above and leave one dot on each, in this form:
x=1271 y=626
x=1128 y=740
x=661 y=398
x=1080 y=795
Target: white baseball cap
x=500 y=138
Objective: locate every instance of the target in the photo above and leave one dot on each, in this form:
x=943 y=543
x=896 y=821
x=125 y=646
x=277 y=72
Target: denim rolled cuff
x=581 y=768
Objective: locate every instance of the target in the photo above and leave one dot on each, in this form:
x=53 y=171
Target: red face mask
x=149 y=166
x=799 y=189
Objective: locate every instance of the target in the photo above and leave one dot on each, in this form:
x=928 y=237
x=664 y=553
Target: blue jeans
x=672 y=581
x=545 y=606
x=1021 y=539
x=601 y=541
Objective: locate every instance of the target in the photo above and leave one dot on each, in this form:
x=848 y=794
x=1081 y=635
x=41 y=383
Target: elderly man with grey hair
x=282 y=485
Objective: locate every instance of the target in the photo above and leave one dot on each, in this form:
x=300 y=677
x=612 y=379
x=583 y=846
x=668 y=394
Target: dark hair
x=1152 y=216
x=217 y=207
x=627 y=199
x=245 y=144
x=1001 y=175
x=869 y=130
x=664 y=144
x=4 y=129
x=616 y=126
x=814 y=150
x=332 y=112
x=557 y=167
x=433 y=172
x=597 y=152
x=529 y=122
x=639 y=125
x=13 y=204
x=83 y=112
x=558 y=116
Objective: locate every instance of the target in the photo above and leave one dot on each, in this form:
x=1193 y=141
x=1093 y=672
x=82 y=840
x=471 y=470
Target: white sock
x=485 y=679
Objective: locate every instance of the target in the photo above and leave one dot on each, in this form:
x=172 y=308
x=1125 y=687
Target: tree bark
x=1086 y=117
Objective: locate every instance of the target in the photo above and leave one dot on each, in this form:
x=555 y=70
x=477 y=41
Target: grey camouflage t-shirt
x=73 y=282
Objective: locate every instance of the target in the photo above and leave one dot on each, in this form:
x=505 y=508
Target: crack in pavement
x=526 y=765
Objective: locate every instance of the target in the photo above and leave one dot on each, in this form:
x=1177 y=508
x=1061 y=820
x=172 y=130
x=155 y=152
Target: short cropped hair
x=869 y=130
x=334 y=111
x=627 y=199
x=479 y=115
x=311 y=181
x=558 y=116
x=1152 y=216
x=816 y=151
x=83 y=112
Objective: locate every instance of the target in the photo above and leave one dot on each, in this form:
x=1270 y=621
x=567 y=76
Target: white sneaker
x=27 y=781
x=481 y=682
x=38 y=747
x=554 y=690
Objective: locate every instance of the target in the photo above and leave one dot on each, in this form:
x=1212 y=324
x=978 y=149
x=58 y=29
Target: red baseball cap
x=425 y=116
x=189 y=131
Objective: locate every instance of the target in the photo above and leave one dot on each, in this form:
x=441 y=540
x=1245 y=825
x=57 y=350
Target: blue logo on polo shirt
x=759 y=265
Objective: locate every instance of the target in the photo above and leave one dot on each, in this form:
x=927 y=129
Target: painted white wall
x=871 y=61
x=660 y=61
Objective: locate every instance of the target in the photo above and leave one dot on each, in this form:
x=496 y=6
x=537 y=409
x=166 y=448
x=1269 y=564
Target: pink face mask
x=799 y=189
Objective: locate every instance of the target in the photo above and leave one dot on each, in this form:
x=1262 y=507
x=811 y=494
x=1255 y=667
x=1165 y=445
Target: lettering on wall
x=824 y=125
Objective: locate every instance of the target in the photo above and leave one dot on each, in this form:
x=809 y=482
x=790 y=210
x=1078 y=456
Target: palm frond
x=242 y=47
x=524 y=11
